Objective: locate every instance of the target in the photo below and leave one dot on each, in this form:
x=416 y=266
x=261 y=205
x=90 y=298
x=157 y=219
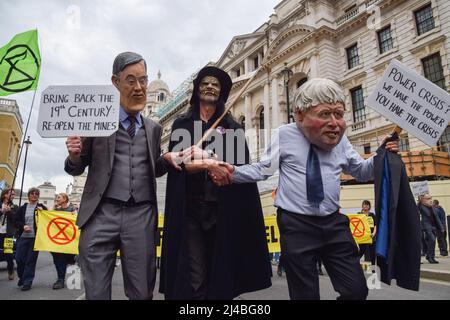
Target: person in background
x=26 y=226
x=61 y=260
x=441 y=234
x=368 y=250
x=75 y=208
x=7 y=226
x=430 y=224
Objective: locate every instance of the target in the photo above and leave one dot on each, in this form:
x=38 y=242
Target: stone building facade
x=11 y=137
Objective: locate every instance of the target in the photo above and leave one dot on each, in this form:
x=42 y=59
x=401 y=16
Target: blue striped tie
x=132 y=127
x=314 y=186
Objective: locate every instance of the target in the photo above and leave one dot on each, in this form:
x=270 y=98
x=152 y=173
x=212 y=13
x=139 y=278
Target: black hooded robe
x=403 y=262
x=240 y=260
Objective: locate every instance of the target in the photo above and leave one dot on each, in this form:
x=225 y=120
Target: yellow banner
x=56 y=232
x=360 y=228
x=272 y=233
x=160 y=235
x=8 y=245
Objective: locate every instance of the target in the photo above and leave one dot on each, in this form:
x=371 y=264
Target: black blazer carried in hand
x=403 y=262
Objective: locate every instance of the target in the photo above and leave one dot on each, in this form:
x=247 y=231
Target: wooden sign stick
x=216 y=123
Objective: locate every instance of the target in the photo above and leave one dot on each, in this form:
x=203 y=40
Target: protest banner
x=412 y=102
x=56 y=232
x=8 y=245
x=85 y=111
x=360 y=228
x=272 y=233
x=419 y=188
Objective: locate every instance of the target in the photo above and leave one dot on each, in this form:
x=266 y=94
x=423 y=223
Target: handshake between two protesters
x=195 y=159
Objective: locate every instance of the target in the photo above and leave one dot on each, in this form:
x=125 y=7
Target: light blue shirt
x=288 y=153
x=125 y=122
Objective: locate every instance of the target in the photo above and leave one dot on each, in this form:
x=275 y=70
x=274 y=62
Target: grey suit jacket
x=98 y=154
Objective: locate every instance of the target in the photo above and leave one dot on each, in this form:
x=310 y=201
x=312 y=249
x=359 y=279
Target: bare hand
x=26 y=228
x=74 y=147
x=198 y=153
x=391 y=146
x=6 y=208
x=176 y=158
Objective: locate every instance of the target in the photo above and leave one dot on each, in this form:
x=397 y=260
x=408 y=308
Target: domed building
x=158 y=93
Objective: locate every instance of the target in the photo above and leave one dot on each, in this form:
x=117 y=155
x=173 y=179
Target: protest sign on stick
x=412 y=102
x=85 y=111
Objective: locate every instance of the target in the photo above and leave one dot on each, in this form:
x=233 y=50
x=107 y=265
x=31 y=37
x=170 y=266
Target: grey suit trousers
x=133 y=231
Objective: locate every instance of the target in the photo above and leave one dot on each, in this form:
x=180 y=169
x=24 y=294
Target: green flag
x=20 y=63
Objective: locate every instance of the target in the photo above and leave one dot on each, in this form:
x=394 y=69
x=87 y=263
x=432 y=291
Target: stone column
x=249 y=128
x=314 y=66
x=246 y=65
x=275 y=104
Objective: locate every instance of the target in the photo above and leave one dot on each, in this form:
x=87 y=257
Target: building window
x=359 y=112
x=367 y=149
x=350 y=8
x=255 y=63
x=352 y=56
x=301 y=82
x=161 y=97
x=238 y=73
x=433 y=71
x=403 y=144
x=424 y=19
x=11 y=148
x=385 y=42
x=261 y=129
x=444 y=141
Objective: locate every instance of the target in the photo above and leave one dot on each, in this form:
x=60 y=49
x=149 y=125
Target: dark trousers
x=9 y=257
x=424 y=243
x=368 y=251
x=61 y=260
x=442 y=242
x=200 y=237
x=26 y=259
x=304 y=240
x=430 y=242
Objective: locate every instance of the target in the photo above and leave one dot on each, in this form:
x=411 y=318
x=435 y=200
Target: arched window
x=161 y=97
x=261 y=129
x=301 y=82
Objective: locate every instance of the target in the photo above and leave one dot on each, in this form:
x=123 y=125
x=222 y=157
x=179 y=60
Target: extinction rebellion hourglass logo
x=22 y=66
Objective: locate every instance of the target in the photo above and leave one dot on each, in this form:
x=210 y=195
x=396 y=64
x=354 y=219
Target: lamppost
x=27 y=145
x=287 y=74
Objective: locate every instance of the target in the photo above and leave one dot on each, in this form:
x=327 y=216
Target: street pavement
x=46 y=275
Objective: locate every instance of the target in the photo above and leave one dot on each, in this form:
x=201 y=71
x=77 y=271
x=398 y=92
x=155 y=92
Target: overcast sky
x=79 y=40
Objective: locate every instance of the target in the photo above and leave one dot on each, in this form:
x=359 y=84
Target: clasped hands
x=220 y=172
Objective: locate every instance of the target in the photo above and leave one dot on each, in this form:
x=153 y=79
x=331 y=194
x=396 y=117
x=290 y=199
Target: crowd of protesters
x=18 y=224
